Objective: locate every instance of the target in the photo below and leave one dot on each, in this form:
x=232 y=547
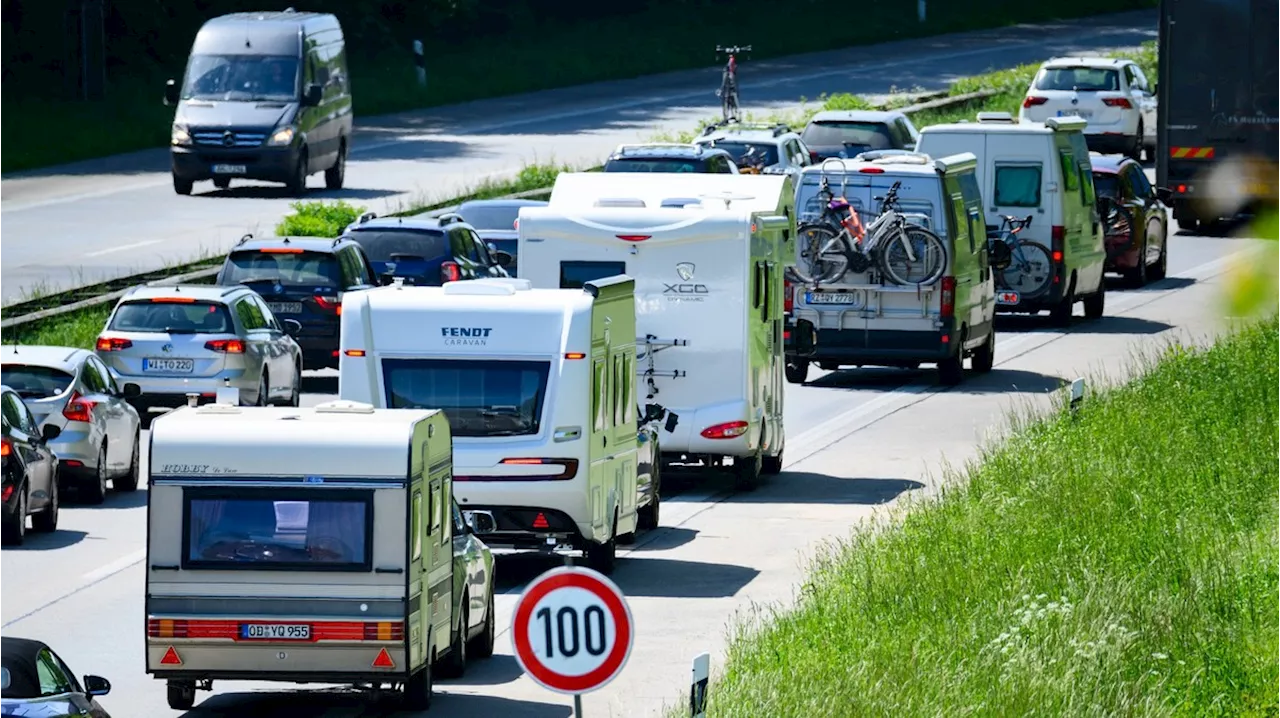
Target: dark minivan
x=265 y=97
x=302 y=278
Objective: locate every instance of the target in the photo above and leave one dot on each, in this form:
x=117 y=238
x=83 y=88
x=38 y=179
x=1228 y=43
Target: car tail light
x=788 y=296
x=113 y=344
x=329 y=303
x=1059 y=237
x=1033 y=100
x=634 y=237
x=727 y=430
x=78 y=408
x=948 y=296
x=8 y=490
x=1121 y=102
x=516 y=224
x=228 y=346
x=5 y=449
x=872 y=171
x=449 y=272
x=813 y=156
x=1181 y=189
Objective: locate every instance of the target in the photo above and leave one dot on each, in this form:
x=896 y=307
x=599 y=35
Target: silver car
x=72 y=390
x=199 y=338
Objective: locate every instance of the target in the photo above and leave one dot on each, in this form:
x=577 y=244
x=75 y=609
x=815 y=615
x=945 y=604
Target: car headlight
x=179 y=136
x=281 y=137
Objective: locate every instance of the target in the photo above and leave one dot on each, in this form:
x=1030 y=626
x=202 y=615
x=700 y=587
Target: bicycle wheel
x=930 y=257
x=822 y=263
x=1030 y=270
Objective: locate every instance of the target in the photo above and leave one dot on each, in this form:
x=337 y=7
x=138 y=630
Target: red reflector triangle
x=541 y=522
x=170 y=658
x=383 y=660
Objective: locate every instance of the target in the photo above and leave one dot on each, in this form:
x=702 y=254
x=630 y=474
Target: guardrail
x=113 y=289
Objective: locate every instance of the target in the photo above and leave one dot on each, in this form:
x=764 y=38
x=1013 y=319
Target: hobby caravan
x=709 y=310
x=761 y=193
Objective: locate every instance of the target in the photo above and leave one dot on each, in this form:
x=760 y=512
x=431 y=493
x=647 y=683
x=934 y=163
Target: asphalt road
x=76 y=224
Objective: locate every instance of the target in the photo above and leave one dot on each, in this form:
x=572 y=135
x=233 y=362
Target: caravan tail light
x=634 y=237
x=1033 y=100
x=78 y=408
x=227 y=346
x=728 y=430
x=329 y=303
x=449 y=272
x=575 y=355
x=788 y=296
x=948 y=296
x=112 y=344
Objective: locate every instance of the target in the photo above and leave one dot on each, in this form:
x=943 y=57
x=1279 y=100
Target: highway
x=76 y=224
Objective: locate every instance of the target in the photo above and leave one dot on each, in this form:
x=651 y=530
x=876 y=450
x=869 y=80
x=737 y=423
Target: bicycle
x=1025 y=267
x=728 y=92
x=838 y=242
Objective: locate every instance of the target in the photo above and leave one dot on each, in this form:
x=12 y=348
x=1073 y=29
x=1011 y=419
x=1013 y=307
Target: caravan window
x=308 y=530
x=480 y=398
x=1018 y=185
x=575 y=274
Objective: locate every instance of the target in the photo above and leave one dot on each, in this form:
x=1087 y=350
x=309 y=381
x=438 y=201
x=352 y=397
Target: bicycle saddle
x=838 y=203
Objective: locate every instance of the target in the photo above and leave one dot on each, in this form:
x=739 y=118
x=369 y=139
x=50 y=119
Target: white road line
x=123 y=247
x=116 y=566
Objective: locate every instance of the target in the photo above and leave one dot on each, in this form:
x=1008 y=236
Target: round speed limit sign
x=572 y=630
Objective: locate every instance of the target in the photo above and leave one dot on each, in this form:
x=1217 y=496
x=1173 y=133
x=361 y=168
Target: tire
x=984 y=357
x=1161 y=270
x=418 y=690
x=746 y=473
x=96 y=493
x=264 y=390
x=821 y=268
x=181 y=695
x=771 y=465
x=482 y=645
x=336 y=175
x=222 y=183
x=1135 y=152
x=1137 y=277
x=15 y=525
x=297 y=184
x=182 y=186
x=454 y=665
x=648 y=516
x=951 y=370
x=927 y=246
x=295 y=398
x=1095 y=304
x=1060 y=314
x=129 y=482
x=603 y=556
x=1027 y=284
x=797 y=371
x=46 y=522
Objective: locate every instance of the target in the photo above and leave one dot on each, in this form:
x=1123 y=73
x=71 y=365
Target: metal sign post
x=698 y=688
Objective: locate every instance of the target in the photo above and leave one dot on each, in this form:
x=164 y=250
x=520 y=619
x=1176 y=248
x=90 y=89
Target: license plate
x=275 y=631
x=829 y=298
x=229 y=169
x=1083 y=114
x=285 y=307
x=1006 y=297
x=171 y=366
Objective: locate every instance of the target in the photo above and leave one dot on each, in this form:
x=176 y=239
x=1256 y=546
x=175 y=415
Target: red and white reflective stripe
x=320 y=630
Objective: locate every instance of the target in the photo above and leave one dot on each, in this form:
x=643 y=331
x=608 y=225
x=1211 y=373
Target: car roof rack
x=450 y=218
x=778 y=128
x=366 y=217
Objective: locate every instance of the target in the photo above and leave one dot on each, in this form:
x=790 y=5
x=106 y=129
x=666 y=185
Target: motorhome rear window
x=1086 y=79
x=305 y=530
x=480 y=397
x=290 y=269
x=173 y=317
x=573 y=275
x=1018 y=186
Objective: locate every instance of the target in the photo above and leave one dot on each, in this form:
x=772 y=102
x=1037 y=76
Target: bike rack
x=653 y=345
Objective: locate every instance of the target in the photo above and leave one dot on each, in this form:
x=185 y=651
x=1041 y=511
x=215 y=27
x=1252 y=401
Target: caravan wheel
x=602 y=556
x=417 y=690
x=182 y=695
x=746 y=472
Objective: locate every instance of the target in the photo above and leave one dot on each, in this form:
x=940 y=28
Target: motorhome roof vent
x=344 y=406
x=1000 y=117
x=486 y=287
x=913 y=158
x=219 y=409
x=620 y=202
x=680 y=201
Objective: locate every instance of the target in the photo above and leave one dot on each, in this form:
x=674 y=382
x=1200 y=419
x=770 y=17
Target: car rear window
x=738 y=149
x=1018 y=186
x=1106 y=184
x=388 y=245
x=35 y=382
x=863 y=136
x=491 y=217
x=1087 y=79
x=288 y=267
x=190 y=317
x=654 y=165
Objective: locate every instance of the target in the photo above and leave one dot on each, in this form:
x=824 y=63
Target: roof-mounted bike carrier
x=653 y=345
x=778 y=129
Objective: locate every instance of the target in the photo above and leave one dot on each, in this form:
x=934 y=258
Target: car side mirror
x=1164 y=193
x=131 y=391
x=170 y=93
x=313 y=95
x=96 y=685
x=386 y=279
x=49 y=432
x=292 y=327
x=480 y=522
x=504 y=259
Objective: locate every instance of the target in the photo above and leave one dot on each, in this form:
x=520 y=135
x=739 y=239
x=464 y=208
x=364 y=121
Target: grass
x=1119 y=562
x=76 y=329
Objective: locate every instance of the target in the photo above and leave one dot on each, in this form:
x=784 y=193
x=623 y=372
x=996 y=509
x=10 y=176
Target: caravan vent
x=620 y=202
x=343 y=406
x=504 y=287
x=996 y=117
x=727 y=197
x=680 y=201
x=219 y=409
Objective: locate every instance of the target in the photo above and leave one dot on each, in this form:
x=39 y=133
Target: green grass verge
x=76 y=329
x=1122 y=562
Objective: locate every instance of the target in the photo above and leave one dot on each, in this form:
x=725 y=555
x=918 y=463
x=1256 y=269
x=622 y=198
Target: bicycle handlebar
x=734 y=49
x=1016 y=222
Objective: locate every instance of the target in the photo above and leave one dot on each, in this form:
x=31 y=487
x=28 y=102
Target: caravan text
x=465 y=336
x=685 y=292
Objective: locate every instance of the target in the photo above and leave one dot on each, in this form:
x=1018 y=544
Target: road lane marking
x=116 y=566
x=123 y=247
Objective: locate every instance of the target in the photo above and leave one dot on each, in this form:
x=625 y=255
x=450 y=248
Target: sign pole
x=577 y=705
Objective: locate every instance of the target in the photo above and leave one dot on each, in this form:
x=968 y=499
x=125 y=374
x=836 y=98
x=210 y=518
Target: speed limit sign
x=572 y=630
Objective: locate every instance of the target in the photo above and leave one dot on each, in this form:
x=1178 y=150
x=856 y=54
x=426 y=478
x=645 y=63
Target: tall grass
x=1119 y=562
x=77 y=329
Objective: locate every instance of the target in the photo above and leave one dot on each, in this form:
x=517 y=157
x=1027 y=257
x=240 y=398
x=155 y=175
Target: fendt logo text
x=465 y=336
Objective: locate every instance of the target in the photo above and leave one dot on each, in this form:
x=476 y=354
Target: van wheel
x=647 y=516
x=603 y=556
x=1096 y=303
x=455 y=664
x=951 y=370
x=182 y=695
x=797 y=371
x=482 y=645
x=297 y=184
x=418 y=689
x=984 y=357
x=771 y=465
x=746 y=472
x=337 y=174
x=1060 y=315
x=182 y=186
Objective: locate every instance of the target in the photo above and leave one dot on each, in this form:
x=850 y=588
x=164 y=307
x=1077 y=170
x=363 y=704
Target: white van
x=298 y=545
x=708 y=310
x=536 y=385
x=1042 y=170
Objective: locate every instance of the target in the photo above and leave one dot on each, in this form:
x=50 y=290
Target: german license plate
x=285 y=307
x=275 y=631
x=229 y=169
x=1084 y=114
x=830 y=298
x=1006 y=298
x=169 y=366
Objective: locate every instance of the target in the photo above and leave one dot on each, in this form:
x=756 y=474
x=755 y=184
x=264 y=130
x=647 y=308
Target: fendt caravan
x=298 y=545
x=537 y=387
x=708 y=298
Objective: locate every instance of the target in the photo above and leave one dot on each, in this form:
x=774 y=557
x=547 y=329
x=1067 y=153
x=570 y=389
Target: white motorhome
x=298 y=545
x=708 y=300
x=544 y=426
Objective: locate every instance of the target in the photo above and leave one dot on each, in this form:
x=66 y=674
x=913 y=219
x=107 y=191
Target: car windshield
x=1105 y=184
x=172 y=316
x=484 y=217
x=292 y=268
x=392 y=244
x=738 y=149
x=267 y=528
x=242 y=78
x=862 y=136
x=481 y=398
x=35 y=382
x=1085 y=79
x=627 y=164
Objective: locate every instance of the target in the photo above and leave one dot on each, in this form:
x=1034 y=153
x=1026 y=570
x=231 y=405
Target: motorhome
x=298 y=545
x=537 y=387
x=708 y=299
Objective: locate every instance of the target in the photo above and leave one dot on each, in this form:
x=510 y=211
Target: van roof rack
x=777 y=128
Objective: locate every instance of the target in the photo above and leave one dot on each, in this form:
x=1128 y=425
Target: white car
x=1112 y=95
x=781 y=150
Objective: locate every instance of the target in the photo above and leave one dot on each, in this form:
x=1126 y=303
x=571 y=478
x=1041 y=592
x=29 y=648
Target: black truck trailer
x=1216 y=119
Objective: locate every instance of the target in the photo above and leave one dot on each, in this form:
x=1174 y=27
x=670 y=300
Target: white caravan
x=708 y=310
x=761 y=193
x=531 y=380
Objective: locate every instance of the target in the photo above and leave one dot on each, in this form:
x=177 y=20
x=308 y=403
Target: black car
x=424 y=251
x=848 y=133
x=670 y=157
x=496 y=221
x=36 y=683
x=302 y=278
x=30 y=472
